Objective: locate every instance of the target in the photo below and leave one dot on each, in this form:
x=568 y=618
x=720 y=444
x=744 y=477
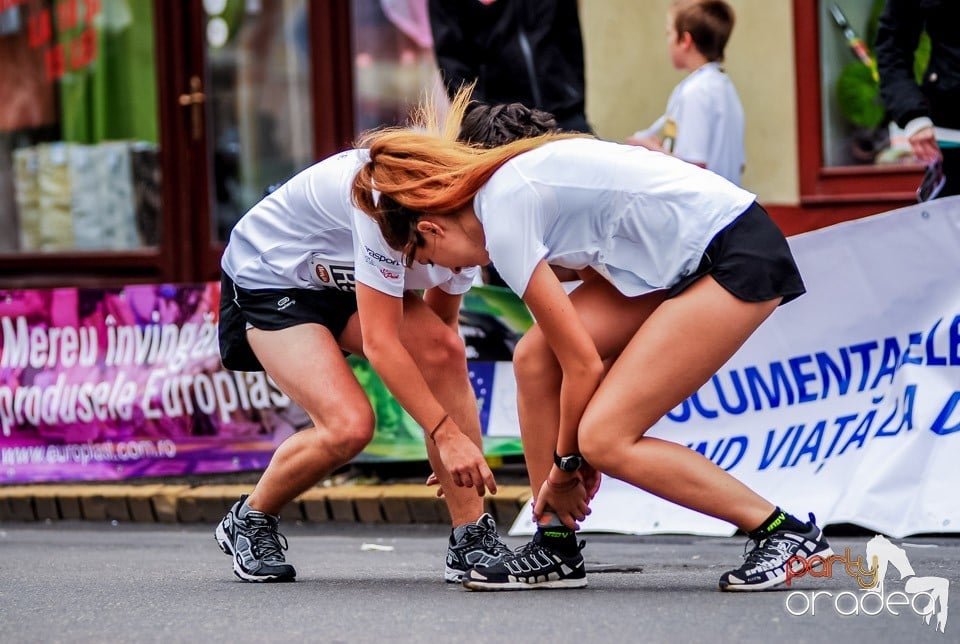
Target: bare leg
x=538 y=373
x=337 y=405
x=441 y=356
x=680 y=346
x=538 y=403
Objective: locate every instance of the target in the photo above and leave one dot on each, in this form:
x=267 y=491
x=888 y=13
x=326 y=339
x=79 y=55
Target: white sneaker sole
x=452 y=575
x=561 y=584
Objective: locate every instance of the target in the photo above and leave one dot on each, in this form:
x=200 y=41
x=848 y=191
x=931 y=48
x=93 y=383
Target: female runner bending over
x=307 y=276
x=679 y=265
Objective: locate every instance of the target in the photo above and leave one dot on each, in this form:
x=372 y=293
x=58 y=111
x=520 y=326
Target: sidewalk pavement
x=403 y=503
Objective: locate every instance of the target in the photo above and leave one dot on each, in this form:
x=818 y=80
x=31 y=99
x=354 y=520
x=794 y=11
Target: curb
x=393 y=504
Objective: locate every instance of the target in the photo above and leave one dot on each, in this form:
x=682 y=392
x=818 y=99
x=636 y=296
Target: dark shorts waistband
x=273 y=310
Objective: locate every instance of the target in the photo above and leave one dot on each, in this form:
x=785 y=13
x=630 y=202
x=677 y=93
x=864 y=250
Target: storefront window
x=855 y=126
x=79 y=167
x=258 y=100
x=394 y=66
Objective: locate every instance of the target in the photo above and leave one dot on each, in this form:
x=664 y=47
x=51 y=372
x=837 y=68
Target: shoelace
x=527 y=549
x=267 y=542
x=489 y=539
x=774 y=549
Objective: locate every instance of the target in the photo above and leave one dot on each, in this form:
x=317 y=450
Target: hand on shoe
x=464 y=460
x=565 y=496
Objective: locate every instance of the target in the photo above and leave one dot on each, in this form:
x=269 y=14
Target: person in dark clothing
x=930 y=111
x=523 y=51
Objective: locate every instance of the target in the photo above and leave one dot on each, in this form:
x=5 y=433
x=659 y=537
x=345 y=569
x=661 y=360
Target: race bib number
x=338 y=276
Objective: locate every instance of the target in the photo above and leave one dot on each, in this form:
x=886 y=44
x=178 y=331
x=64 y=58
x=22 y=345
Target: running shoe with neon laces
x=255 y=545
x=479 y=545
x=533 y=566
x=765 y=564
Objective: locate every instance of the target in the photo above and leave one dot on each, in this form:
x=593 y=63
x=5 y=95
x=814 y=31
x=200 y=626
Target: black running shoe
x=480 y=545
x=255 y=545
x=533 y=566
x=765 y=565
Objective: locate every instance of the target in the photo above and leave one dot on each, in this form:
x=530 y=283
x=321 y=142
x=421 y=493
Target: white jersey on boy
x=704 y=123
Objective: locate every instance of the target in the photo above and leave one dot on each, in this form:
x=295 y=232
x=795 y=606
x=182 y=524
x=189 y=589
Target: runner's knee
x=351 y=428
x=598 y=448
x=444 y=350
x=605 y=435
x=533 y=361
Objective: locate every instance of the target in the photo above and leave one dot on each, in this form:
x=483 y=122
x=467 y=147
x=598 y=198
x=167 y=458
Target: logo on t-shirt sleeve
x=375 y=257
x=389 y=267
x=390 y=275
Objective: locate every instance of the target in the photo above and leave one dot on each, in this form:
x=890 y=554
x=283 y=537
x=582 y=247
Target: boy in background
x=704 y=121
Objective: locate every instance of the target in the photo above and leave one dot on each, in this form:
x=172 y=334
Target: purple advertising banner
x=106 y=384
x=100 y=384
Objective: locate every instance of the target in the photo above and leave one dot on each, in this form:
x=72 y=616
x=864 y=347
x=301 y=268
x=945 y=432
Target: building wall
x=629 y=77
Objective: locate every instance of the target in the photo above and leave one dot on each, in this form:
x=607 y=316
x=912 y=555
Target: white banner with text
x=846 y=402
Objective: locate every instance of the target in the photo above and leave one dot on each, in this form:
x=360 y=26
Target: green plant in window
x=858 y=96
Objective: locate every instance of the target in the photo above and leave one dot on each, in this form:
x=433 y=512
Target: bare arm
x=575 y=350
x=564 y=494
x=381 y=317
x=446 y=306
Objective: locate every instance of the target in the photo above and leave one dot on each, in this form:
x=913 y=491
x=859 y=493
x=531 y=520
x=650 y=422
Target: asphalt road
x=83 y=582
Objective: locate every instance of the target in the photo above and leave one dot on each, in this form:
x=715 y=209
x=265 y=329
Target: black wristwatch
x=570 y=463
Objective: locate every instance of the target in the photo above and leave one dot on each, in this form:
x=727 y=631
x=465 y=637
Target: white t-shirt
x=308 y=234
x=642 y=219
x=704 y=122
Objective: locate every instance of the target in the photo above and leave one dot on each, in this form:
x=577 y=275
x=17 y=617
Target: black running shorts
x=272 y=310
x=751 y=259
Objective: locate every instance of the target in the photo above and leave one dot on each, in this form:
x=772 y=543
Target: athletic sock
x=777 y=522
x=557 y=536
